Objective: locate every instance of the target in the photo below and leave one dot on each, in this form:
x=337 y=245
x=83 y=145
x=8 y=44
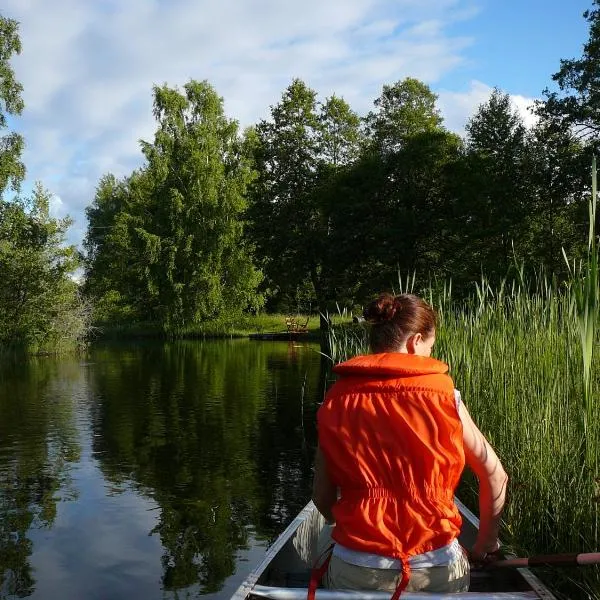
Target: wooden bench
x=294 y=325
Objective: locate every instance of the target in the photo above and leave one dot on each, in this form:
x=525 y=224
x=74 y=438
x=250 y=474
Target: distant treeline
x=316 y=206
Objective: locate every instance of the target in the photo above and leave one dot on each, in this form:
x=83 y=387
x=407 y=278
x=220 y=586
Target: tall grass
x=585 y=303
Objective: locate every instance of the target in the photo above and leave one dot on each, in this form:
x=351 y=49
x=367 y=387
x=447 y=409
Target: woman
x=394 y=437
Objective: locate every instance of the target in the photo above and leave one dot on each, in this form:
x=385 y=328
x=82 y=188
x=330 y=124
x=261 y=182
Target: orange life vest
x=392 y=440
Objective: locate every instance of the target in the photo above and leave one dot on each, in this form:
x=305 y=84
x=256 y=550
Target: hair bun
x=382 y=309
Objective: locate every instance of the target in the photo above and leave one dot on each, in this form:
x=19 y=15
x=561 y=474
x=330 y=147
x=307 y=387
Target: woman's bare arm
x=324 y=493
x=482 y=460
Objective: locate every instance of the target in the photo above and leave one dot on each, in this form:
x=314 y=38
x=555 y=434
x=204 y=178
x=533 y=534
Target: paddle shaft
x=560 y=560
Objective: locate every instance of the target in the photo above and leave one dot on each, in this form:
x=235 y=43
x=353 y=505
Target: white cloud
x=88 y=68
x=523 y=106
x=57 y=207
x=458 y=107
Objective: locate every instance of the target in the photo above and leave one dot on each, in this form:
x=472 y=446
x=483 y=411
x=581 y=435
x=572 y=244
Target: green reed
x=585 y=306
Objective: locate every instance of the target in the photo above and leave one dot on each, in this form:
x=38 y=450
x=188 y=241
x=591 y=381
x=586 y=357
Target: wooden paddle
x=557 y=560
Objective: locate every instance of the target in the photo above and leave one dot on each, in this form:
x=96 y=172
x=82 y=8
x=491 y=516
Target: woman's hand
x=481 y=555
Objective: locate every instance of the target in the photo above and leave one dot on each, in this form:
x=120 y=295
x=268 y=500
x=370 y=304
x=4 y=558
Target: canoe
x=285 y=571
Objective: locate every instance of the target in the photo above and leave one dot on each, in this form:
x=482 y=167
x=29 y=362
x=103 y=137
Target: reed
x=585 y=305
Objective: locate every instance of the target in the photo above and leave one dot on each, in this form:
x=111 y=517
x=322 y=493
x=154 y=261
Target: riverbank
x=241 y=327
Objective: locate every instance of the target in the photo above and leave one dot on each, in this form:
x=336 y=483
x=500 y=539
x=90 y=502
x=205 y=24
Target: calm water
x=152 y=470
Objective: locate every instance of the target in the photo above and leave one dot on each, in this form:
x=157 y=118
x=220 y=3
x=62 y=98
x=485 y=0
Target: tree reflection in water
x=214 y=432
x=39 y=446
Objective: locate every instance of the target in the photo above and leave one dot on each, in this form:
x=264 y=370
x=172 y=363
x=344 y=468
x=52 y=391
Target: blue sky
x=518 y=44
x=88 y=66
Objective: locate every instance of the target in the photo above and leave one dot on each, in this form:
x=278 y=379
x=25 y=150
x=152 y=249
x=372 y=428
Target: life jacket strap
x=403 y=581
x=318 y=571
x=322 y=564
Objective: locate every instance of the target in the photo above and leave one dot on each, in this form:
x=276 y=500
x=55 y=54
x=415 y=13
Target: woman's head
x=403 y=323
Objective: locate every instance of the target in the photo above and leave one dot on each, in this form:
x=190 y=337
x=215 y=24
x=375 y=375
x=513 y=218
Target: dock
x=278 y=335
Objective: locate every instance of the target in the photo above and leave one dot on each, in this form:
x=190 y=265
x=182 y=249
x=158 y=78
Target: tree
x=285 y=155
x=394 y=199
x=169 y=241
x=297 y=153
x=577 y=104
x=12 y=170
x=494 y=196
x=403 y=110
x=559 y=177
x=116 y=271
x=39 y=302
x=339 y=133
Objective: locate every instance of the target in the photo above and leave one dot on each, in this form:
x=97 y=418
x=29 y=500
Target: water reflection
x=151 y=470
x=39 y=444
x=215 y=434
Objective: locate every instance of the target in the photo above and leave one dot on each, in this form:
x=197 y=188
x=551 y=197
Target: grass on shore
x=242 y=326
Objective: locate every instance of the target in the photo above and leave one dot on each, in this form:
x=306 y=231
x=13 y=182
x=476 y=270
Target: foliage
x=558 y=163
x=167 y=243
x=577 y=104
x=329 y=206
x=40 y=305
x=403 y=110
x=12 y=169
x=393 y=202
x=296 y=154
x=494 y=190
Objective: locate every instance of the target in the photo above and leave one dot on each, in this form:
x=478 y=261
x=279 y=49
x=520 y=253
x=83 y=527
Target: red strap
x=403 y=580
x=318 y=571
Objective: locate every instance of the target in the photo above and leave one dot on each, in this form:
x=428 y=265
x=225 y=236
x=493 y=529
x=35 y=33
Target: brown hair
x=394 y=319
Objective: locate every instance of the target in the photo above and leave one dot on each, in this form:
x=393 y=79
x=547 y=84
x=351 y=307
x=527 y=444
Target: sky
x=88 y=66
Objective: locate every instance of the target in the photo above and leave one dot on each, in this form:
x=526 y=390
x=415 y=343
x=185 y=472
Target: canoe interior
x=285 y=571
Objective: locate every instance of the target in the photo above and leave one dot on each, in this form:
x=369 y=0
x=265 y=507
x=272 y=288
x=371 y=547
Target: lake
x=152 y=470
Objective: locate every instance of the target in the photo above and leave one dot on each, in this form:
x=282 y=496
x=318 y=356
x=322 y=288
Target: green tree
x=559 y=216
x=12 y=169
x=199 y=263
x=168 y=242
x=340 y=136
x=281 y=214
x=116 y=269
x=403 y=110
x=393 y=201
x=494 y=197
x=297 y=153
x=39 y=301
x=340 y=141
x=577 y=102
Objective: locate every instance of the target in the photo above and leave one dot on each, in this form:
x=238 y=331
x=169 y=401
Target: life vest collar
x=390 y=364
